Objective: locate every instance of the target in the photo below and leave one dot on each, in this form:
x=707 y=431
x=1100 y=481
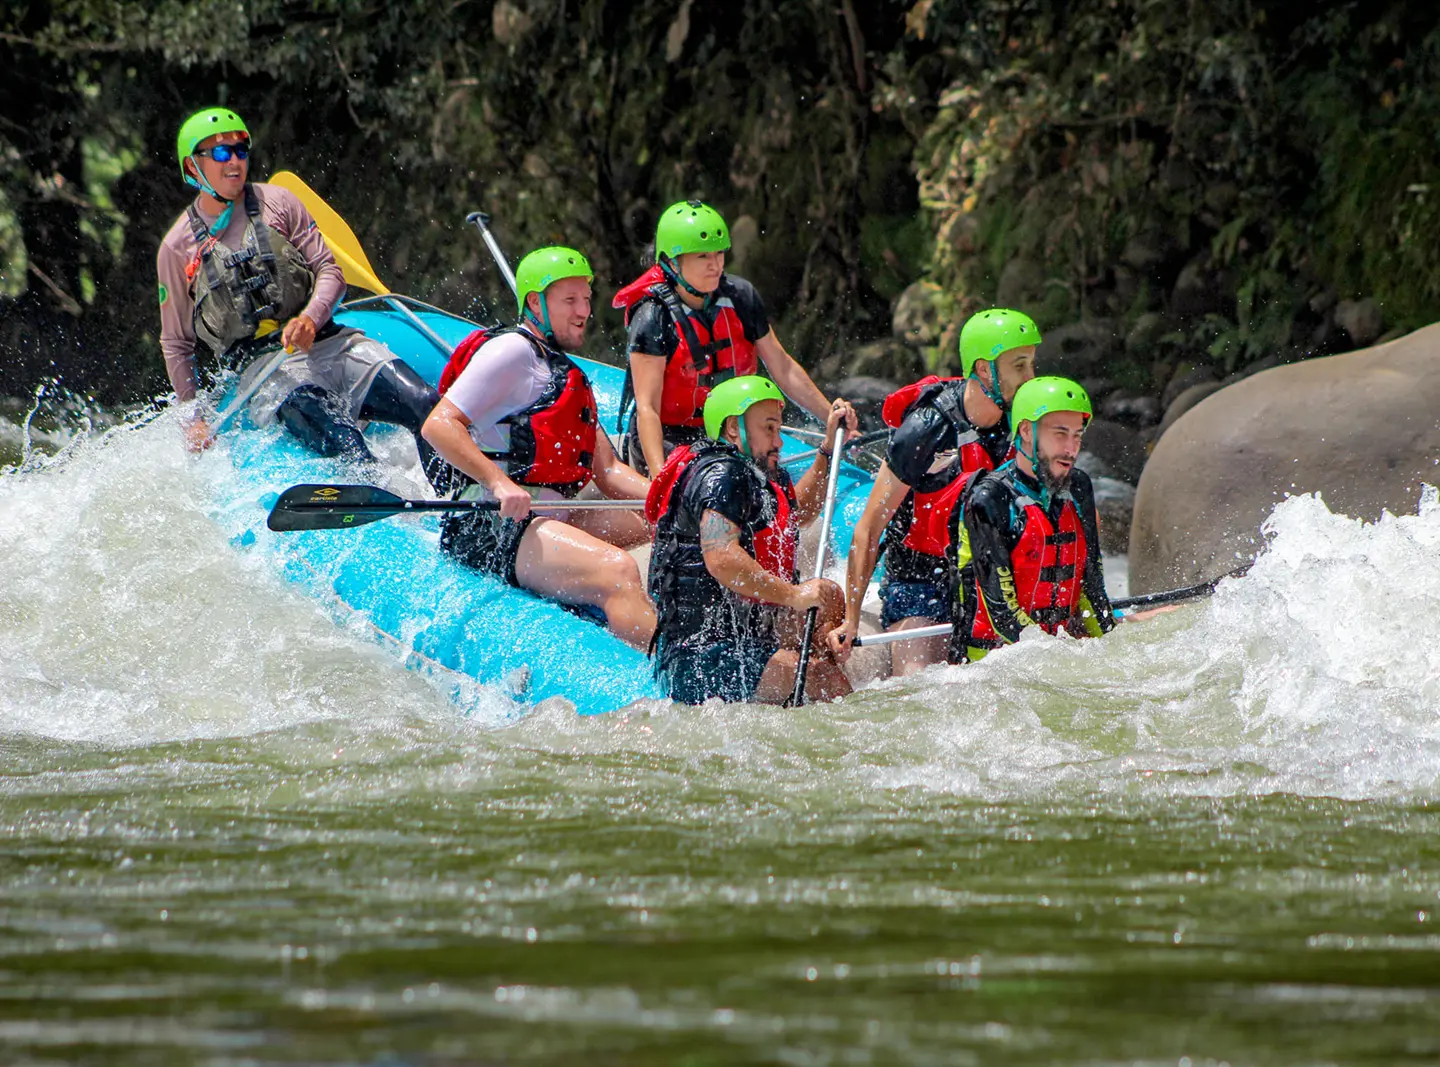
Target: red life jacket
x=898 y=404
x=703 y=358
x=775 y=546
x=552 y=442
x=1047 y=566
x=929 y=531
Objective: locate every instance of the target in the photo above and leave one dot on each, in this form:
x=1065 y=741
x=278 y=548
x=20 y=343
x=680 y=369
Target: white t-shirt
x=505 y=375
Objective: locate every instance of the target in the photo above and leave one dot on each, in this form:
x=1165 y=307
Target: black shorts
x=729 y=670
x=674 y=436
x=485 y=541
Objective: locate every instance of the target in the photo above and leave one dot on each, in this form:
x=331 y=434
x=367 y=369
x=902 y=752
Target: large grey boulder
x=1362 y=428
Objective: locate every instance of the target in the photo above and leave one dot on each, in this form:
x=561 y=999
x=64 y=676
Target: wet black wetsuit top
x=694 y=609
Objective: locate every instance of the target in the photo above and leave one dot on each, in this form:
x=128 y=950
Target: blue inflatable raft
x=390 y=578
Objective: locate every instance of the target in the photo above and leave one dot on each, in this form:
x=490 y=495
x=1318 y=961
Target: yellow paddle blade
x=337 y=233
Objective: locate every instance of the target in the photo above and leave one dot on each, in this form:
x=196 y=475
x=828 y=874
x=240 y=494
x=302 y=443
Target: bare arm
x=647 y=375
x=886 y=496
x=448 y=431
x=735 y=569
x=792 y=379
x=615 y=479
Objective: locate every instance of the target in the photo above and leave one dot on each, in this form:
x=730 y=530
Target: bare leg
x=824 y=678
x=907 y=657
x=624 y=529
x=559 y=561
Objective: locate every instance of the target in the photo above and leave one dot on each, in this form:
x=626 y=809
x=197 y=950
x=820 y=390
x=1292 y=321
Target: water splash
x=128 y=618
x=1317 y=674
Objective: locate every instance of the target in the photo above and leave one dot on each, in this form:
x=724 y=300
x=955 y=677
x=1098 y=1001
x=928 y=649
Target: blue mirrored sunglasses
x=221 y=153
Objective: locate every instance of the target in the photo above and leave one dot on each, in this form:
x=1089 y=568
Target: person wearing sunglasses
x=244 y=271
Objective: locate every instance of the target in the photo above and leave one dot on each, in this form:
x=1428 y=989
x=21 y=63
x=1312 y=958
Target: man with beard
x=723 y=572
x=519 y=423
x=244 y=271
x=946 y=429
x=1028 y=544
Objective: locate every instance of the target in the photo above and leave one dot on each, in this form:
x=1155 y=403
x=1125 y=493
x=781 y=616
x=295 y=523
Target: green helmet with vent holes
x=736 y=397
x=690 y=226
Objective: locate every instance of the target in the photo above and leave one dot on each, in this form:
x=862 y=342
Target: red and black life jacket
x=552 y=442
x=703 y=357
x=1047 y=566
x=929 y=531
x=775 y=546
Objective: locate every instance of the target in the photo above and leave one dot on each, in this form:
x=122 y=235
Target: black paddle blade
x=332 y=507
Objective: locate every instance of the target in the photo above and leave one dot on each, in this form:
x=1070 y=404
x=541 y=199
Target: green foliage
x=1217 y=163
x=569 y=123
x=1226 y=166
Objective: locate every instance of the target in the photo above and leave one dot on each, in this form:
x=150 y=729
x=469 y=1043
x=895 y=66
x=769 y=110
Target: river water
x=232 y=832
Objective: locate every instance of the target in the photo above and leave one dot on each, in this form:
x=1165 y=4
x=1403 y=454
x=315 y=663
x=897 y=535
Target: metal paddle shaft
x=797 y=695
x=1147 y=600
x=481 y=222
x=343 y=507
x=276 y=360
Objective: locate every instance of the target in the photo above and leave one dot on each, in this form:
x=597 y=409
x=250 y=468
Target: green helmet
x=989 y=334
x=690 y=226
x=205 y=124
x=546 y=266
x=1040 y=396
x=735 y=397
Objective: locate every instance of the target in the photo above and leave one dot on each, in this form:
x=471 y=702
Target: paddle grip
x=481 y=222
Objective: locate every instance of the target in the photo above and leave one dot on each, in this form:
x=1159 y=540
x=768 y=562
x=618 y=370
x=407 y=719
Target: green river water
x=232 y=832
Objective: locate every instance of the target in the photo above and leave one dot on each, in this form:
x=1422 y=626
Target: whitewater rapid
x=129 y=618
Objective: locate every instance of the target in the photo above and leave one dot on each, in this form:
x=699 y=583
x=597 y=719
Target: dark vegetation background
x=1173 y=188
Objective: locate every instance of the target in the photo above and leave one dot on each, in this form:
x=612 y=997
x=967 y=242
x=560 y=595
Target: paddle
x=346 y=248
x=276 y=360
x=1147 y=600
x=481 y=222
x=797 y=695
x=343 y=507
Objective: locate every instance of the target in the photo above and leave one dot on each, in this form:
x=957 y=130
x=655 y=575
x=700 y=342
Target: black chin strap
x=674 y=277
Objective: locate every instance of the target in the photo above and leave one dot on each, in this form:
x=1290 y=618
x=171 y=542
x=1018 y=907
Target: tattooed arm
x=735 y=569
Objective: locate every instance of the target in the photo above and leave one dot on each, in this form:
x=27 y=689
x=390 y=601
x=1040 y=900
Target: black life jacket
x=689 y=602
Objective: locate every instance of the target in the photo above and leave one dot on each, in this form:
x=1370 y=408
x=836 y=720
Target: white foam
x=127 y=617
